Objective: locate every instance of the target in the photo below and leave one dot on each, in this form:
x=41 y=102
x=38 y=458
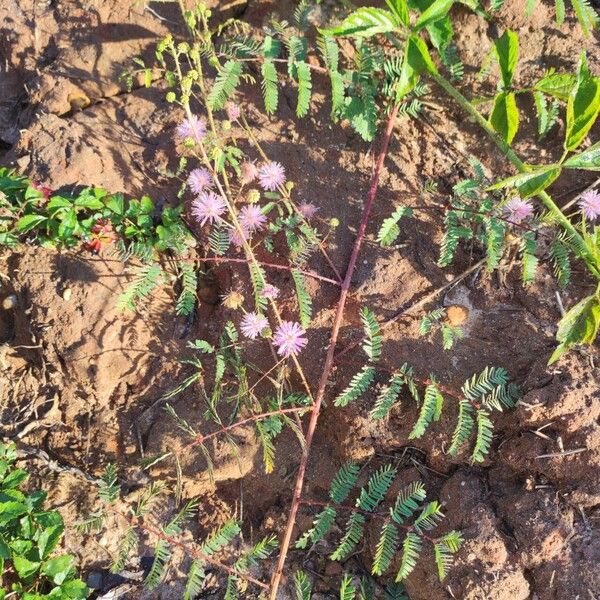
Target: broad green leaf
x=58 y=204
x=14 y=479
x=557 y=85
x=75 y=590
x=11 y=510
x=4 y=549
x=49 y=538
x=24 y=567
x=400 y=9
x=530 y=183
x=441 y=33
x=89 y=202
x=59 y=568
x=116 y=203
x=416 y=61
x=578 y=326
x=418 y=55
x=365 y=22
x=583 y=106
x=507 y=50
x=436 y=11
x=588 y=159
x=505 y=116
x=29 y=222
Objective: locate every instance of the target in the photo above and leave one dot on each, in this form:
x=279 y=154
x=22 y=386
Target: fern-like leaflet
x=304 y=299
x=370 y=497
x=431 y=409
x=189 y=282
x=147 y=279
x=389 y=230
x=225 y=84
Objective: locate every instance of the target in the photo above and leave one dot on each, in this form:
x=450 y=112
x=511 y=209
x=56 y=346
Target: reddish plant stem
x=339 y=317
x=225 y=259
x=189 y=550
x=203 y=438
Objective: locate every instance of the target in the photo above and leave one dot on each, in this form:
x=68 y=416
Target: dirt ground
x=81 y=381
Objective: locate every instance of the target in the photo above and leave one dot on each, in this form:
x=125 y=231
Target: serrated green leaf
x=529 y=184
x=365 y=22
x=507 y=51
x=579 y=326
x=583 y=106
x=400 y=9
x=437 y=10
x=588 y=159
x=557 y=85
x=505 y=116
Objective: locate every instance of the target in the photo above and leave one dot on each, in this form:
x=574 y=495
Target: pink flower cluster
x=193 y=128
x=289 y=338
x=208 y=207
x=590 y=204
x=271 y=175
x=517 y=210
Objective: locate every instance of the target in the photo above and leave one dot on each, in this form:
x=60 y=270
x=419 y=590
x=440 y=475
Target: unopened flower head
x=249 y=171
x=208 y=207
x=233 y=300
x=192 y=128
x=517 y=210
x=253 y=325
x=233 y=111
x=251 y=218
x=199 y=180
x=308 y=210
x=271 y=176
x=270 y=292
x=590 y=204
x=289 y=338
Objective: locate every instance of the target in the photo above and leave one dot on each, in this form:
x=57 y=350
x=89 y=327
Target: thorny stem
x=506 y=149
x=203 y=438
x=189 y=550
x=339 y=316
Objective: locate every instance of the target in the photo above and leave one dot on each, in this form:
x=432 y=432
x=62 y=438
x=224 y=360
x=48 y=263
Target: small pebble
x=9 y=302
x=67 y=293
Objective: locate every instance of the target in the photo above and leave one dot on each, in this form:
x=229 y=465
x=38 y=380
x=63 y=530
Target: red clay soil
x=81 y=381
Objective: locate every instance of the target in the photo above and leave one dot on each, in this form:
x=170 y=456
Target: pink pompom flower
x=590 y=204
x=271 y=176
x=253 y=325
x=199 y=179
x=208 y=207
x=270 y=292
x=289 y=338
x=192 y=128
x=308 y=210
x=251 y=218
x=517 y=210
